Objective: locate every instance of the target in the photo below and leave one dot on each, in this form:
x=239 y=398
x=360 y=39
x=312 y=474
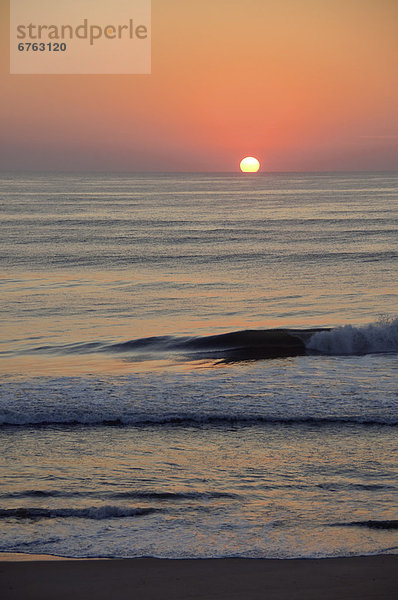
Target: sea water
x=199 y=365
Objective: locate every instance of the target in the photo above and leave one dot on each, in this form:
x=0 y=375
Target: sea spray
x=381 y=336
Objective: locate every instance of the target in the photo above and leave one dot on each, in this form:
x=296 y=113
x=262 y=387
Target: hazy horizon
x=230 y=172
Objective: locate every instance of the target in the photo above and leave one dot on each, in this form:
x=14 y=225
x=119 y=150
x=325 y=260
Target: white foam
x=381 y=336
x=302 y=389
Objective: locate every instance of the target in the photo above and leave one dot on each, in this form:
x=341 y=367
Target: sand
x=43 y=578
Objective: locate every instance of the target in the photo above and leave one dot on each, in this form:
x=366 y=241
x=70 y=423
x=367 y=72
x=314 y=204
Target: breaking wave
x=249 y=344
x=262 y=394
x=378 y=337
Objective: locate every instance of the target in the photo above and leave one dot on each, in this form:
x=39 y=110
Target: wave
x=369 y=487
x=389 y=524
x=92 y=512
x=228 y=347
x=250 y=344
x=174 y=495
x=199 y=420
x=133 y=494
x=378 y=337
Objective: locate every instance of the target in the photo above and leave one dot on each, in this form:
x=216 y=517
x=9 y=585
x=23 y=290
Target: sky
x=303 y=85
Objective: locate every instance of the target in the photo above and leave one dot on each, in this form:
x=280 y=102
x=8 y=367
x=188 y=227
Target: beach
x=362 y=578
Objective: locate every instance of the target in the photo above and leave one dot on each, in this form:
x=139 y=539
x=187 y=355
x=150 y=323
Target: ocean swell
x=387 y=524
x=198 y=420
x=92 y=512
x=247 y=345
x=234 y=346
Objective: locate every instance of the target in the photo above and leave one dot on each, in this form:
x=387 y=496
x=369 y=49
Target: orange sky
x=304 y=85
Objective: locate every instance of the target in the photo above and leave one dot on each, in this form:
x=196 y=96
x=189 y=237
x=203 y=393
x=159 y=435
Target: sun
x=249 y=165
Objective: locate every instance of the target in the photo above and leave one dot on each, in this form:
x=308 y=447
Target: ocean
x=199 y=365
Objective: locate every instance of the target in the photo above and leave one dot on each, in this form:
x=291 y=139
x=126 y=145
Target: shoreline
x=25 y=557
x=48 y=577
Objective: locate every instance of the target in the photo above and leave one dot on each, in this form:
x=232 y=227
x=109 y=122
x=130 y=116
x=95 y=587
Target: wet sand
x=42 y=578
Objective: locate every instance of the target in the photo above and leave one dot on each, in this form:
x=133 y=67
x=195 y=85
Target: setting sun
x=249 y=165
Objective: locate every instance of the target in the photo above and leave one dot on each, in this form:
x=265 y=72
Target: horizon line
x=188 y=172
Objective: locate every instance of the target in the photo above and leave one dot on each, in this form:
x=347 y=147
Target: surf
x=248 y=344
